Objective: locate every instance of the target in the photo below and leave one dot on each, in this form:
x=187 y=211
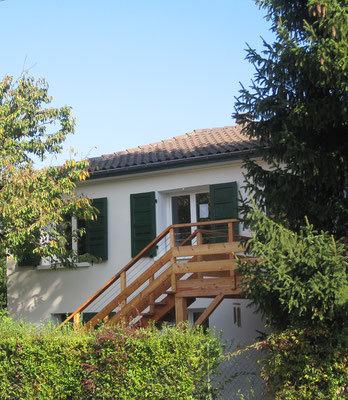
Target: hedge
x=109 y=363
x=306 y=364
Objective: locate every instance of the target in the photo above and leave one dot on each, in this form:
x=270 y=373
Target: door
x=189 y=208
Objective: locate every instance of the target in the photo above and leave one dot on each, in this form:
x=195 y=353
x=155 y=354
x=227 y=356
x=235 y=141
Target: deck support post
x=180 y=309
x=77 y=321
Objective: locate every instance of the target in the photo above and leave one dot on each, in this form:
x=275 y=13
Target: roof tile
x=200 y=142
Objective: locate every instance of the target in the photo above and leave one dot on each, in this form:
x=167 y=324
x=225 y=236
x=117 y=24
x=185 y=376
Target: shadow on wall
x=24 y=298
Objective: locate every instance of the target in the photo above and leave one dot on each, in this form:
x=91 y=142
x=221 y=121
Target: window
x=237 y=315
x=194 y=314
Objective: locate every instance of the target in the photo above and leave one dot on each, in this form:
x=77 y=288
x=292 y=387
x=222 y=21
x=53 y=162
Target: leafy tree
x=3 y=283
x=297 y=108
x=34 y=202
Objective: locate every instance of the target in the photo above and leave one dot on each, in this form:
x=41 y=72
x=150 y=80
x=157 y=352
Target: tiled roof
x=193 y=146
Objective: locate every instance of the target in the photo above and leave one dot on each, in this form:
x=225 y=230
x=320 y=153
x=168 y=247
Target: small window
x=196 y=314
x=61 y=317
x=237 y=315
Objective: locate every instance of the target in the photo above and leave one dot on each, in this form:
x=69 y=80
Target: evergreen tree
x=297 y=109
x=300 y=278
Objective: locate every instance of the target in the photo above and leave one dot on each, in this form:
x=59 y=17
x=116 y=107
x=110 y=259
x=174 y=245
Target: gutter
x=97 y=174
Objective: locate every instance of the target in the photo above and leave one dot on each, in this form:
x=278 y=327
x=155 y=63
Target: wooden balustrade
x=175 y=271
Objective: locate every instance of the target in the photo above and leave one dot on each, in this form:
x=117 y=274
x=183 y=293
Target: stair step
x=159 y=303
x=147 y=314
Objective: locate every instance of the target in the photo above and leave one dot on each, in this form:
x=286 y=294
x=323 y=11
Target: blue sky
x=134 y=71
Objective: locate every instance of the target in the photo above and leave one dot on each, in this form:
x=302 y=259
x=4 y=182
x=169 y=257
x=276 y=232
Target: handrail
x=123 y=295
x=116 y=277
x=136 y=259
x=219 y=222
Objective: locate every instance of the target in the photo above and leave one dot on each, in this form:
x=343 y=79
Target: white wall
x=37 y=294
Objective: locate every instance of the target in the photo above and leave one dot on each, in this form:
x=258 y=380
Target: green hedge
x=307 y=364
x=110 y=363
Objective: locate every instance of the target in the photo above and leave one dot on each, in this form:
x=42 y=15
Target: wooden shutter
x=97 y=231
x=28 y=258
x=143 y=221
x=224 y=204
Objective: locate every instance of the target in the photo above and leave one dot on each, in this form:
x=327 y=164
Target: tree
x=35 y=203
x=300 y=278
x=297 y=109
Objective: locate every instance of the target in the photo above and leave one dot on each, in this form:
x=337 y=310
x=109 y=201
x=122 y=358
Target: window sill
x=49 y=266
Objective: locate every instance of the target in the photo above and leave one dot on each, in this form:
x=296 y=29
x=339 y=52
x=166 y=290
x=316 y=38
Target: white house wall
x=39 y=294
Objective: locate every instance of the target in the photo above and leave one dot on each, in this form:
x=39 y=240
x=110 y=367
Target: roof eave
x=172 y=164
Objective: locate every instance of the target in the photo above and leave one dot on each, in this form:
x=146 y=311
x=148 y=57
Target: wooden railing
x=120 y=300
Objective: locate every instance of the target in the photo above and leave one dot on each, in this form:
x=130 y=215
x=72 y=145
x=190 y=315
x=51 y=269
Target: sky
x=134 y=72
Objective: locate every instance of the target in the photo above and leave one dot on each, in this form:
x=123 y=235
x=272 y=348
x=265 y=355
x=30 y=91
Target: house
x=191 y=178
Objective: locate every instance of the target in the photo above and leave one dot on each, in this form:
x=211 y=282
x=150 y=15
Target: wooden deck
x=203 y=265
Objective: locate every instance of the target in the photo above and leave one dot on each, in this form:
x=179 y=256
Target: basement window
x=195 y=314
x=237 y=315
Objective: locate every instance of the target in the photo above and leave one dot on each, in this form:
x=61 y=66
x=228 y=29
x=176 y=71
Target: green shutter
x=143 y=221
x=224 y=204
x=97 y=231
x=28 y=258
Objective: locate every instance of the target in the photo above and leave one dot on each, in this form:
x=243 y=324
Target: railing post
x=172 y=260
x=123 y=281
x=230 y=232
x=231 y=239
x=77 y=321
x=199 y=237
x=172 y=238
x=152 y=296
x=199 y=242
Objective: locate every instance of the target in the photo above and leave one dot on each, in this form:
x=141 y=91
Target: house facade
x=140 y=192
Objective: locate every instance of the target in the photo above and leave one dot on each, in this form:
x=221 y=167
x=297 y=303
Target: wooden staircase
x=202 y=265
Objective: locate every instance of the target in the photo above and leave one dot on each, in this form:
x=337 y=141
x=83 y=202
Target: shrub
x=306 y=364
x=110 y=363
x=39 y=365
x=172 y=363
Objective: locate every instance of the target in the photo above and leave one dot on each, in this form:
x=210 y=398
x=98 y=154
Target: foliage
x=110 y=363
x=34 y=202
x=39 y=365
x=300 y=279
x=306 y=364
x=174 y=363
x=3 y=282
x=296 y=108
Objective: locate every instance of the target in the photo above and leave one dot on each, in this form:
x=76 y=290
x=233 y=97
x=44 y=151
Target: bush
x=45 y=365
x=110 y=363
x=306 y=364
